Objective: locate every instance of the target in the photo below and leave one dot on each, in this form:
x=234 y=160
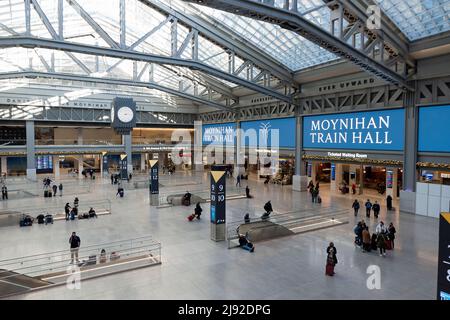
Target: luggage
x=92 y=214
x=92 y=260
x=49 y=194
x=114 y=256
x=41 y=219
x=191 y=217
x=388 y=244
x=72 y=215
x=48 y=219
x=329 y=270
x=45 y=193
x=319 y=199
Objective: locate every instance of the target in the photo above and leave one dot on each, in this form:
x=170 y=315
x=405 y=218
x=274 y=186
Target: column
x=408 y=194
x=198 y=147
x=300 y=179
x=80 y=158
x=143 y=161
x=80 y=166
x=361 y=179
x=56 y=170
x=352 y=178
x=239 y=152
x=395 y=183
x=4 y=164
x=31 y=153
x=127 y=144
x=314 y=171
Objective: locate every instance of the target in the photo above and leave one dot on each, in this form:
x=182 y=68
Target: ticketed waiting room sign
x=374 y=130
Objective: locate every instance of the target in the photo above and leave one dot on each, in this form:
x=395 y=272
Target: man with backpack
x=368 y=206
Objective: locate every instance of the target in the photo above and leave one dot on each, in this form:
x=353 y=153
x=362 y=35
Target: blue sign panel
x=222 y=133
x=333 y=172
x=374 y=130
x=434 y=129
x=263 y=130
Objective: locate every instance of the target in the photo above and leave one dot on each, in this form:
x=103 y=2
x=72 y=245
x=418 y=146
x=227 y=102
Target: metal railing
x=55 y=267
x=287 y=219
x=14 y=215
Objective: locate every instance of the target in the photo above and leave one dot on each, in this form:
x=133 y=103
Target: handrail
x=84 y=247
x=284 y=221
x=85 y=256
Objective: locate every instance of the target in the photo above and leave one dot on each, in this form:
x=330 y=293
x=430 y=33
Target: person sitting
x=247 y=192
x=103 y=256
x=247 y=218
x=92 y=213
x=75 y=202
x=120 y=191
x=268 y=209
x=186 y=201
x=198 y=211
x=245 y=244
x=73 y=213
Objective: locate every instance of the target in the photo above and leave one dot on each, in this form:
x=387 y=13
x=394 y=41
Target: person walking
x=391 y=233
x=366 y=239
x=112 y=178
x=356 y=206
x=60 y=189
x=381 y=242
x=353 y=188
x=198 y=211
x=368 y=206
x=55 y=189
x=331 y=260
x=389 y=202
x=376 y=209
x=238 y=181
x=67 y=210
x=4 y=192
x=75 y=243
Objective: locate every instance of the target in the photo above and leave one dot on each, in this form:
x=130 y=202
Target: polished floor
x=194 y=267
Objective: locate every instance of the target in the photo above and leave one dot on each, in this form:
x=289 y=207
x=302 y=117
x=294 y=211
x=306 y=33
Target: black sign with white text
x=218 y=196
x=443 y=286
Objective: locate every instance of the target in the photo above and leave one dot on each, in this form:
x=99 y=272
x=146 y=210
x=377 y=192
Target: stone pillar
x=143 y=161
x=56 y=170
x=299 y=180
x=128 y=147
x=31 y=153
x=80 y=136
x=361 y=179
x=80 y=166
x=198 y=147
x=4 y=164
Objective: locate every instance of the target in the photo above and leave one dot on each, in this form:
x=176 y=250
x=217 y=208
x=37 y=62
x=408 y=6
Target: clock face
x=125 y=114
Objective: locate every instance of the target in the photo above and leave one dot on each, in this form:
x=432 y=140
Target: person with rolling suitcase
x=331 y=260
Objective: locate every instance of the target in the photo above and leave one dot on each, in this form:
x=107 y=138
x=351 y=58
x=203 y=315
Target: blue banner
x=434 y=129
x=374 y=130
x=333 y=172
x=263 y=130
x=221 y=133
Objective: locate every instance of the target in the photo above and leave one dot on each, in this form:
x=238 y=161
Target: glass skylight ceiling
x=285 y=46
x=418 y=18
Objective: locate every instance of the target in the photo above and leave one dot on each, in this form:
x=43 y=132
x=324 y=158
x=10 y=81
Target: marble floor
x=194 y=267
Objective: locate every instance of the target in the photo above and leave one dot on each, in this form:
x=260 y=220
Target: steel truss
x=90 y=115
x=376 y=55
x=254 y=71
x=263 y=111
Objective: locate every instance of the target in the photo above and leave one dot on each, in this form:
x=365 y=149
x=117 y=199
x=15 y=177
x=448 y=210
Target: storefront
x=433 y=161
x=356 y=151
x=270 y=148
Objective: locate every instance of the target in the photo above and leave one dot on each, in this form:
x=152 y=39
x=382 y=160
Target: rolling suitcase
x=191 y=217
x=329 y=269
x=388 y=245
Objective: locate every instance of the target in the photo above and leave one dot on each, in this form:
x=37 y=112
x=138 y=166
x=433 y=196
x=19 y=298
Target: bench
x=176 y=199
